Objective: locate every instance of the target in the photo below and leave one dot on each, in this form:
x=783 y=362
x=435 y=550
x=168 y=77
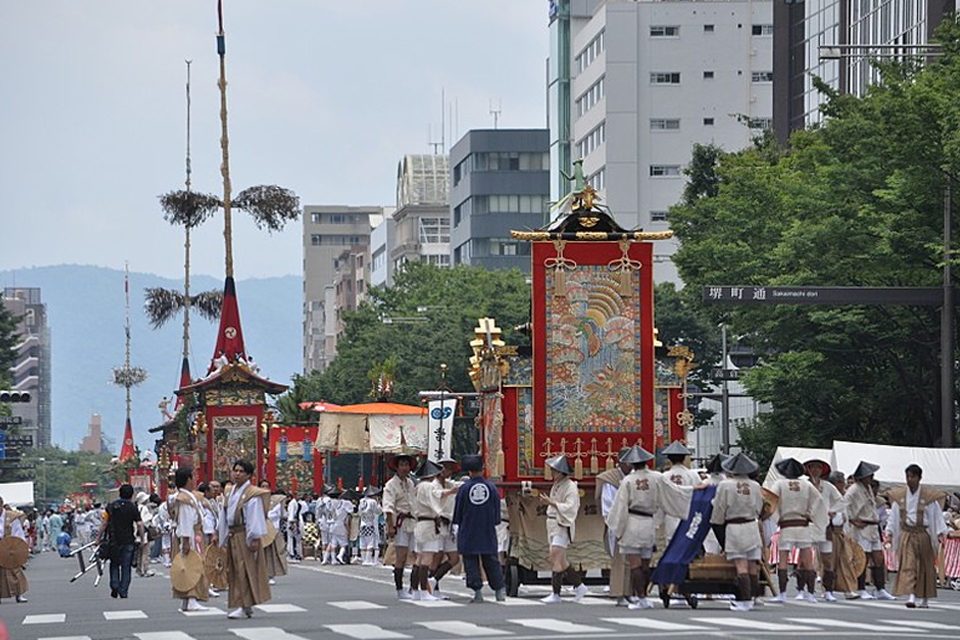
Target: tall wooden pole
x=224 y=144
x=186 y=243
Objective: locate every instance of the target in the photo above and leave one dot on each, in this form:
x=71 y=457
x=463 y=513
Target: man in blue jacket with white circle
x=477 y=514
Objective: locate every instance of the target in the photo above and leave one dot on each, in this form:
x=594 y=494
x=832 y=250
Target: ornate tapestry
x=234 y=437
x=593 y=382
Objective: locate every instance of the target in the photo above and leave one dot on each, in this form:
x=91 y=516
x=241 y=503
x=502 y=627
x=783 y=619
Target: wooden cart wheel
x=513 y=580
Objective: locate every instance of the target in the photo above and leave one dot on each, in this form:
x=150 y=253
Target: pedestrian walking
x=189 y=583
x=476 y=514
x=398 y=495
x=124 y=528
x=917 y=528
x=798 y=505
x=242 y=527
x=862 y=515
x=370 y=513
x=13 y=581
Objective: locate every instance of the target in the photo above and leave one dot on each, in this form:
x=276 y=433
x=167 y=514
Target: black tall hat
x=740 y=465
x=715 y=464
x=559 y=464
x=428 y=469
x=676 y=448
x=392 y=463
x=372 y=491
x=790 y=468
x=865 y=469
x=637 y=455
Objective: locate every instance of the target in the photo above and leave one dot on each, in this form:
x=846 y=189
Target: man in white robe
x=242 y=526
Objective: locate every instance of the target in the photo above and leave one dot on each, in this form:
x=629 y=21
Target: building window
x=664 y=31
x=708 y=28
x=589 y=53
x=760 y=123
x=762 y=76
x=665 y=124
x=509 y=204
x=457 y=212
x=658 y=216
x=599 y=179
x=438 y=260
x=592 y=140
x=664 y=77
x=664 y=170
x=511 y=161
x=315 y=218
x=708 y=75
x=337 y=218
x=762 y=29
x=337 y=239
x=434 y=230
x=589 y=98
x=708 y=122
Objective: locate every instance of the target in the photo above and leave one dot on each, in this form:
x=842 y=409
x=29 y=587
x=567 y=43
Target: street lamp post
x=725 y=393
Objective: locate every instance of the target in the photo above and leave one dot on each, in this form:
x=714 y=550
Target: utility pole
x=725 y=393
x=946 y=327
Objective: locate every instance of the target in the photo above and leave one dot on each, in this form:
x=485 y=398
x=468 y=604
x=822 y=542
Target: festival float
x=592 y=381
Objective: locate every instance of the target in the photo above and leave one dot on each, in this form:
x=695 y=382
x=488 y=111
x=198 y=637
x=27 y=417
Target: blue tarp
x=688 y=540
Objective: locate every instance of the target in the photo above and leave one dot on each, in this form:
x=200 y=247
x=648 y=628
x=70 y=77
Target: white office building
x=640 y=83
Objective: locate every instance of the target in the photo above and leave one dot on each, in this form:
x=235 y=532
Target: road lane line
x=364 y=631
x=132 y=614
x=356 y=605
x=754 y=625
x=458 y=628
x=846 y=624
x=45 y=618
x=659 y=625
x=555 y=625
x=280 y=608
x=923 y=624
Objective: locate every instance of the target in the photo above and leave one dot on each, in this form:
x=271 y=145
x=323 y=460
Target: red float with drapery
x=292 y=462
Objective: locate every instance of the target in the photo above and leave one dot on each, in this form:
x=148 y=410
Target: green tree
x=425 y=319
x=858 y=202
x=58 y=472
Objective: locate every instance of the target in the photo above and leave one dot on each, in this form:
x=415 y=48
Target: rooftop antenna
x=443 y=122
x=496 y=113
x=437 y=146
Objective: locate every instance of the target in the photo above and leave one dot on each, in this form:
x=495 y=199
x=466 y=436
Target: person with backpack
x=123 y=527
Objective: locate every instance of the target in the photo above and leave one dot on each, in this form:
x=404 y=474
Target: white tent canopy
x=17 y=494
x=941 y=467
x=801 y=454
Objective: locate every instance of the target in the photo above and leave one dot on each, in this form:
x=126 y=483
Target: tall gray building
x=328 y=231
x=31 y=371
x=801 y=28
x=500 y=181
x=422 y=217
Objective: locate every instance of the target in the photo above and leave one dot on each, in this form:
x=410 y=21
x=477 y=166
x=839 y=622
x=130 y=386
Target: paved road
x=343 y=603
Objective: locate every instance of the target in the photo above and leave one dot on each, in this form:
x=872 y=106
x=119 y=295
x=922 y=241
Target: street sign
x=10 y=420
x=753 y=295
x=19 y=442
x=725 y=374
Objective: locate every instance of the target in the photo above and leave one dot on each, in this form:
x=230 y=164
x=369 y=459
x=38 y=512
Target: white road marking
x=164 y=635
x=659 y=625
x=519 y=602
x=265 y=633
x=557 y=626
x=843 y=624
x=279 y=608
x=597 y=601
x=356 y=605
x=754 y=625
x=45 y=618
x=922 y=624
x=433 y=604
x=458 y=628
x=133 y=614
x=211 y=611
x=364 y=631
x=67 y=638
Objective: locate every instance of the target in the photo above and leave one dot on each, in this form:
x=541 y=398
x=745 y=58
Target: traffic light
x=9 y=396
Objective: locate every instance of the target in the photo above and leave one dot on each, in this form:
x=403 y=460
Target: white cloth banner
x=440 y=428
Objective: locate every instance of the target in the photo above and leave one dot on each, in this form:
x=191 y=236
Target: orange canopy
x=378 y=408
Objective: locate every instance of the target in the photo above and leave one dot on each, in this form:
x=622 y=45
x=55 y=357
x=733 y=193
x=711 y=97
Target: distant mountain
x=85 y=310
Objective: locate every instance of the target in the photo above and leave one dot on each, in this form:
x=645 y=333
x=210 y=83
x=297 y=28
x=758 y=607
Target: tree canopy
x=424 y=320
x=857 y=201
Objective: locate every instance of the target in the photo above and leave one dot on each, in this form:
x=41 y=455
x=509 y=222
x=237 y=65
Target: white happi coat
x=738 y=497
x=833 y=504
x=398 y=498
x=428 y=503
x=799 y=500
x=566 y=494
x=862 y=506
x=648 y=492
x=682 y=476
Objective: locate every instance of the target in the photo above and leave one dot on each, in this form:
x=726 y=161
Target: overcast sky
x=325 y=96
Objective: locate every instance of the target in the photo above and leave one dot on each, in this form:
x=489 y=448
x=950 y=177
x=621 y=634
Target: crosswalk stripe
x=843 y=624
x=596 y=602
x=45 y=618
x=280 y=608
x=164 y=635
x=519 y=602
x=922 y=624
x=433 y=604
x=67 y=638
x=265 y=633
x=210 y=611
x=558 y=626
x=365 y=631
x=754 y=624
x=133 y=614
x=659 y=625
x=458 y=628
x=355 y=605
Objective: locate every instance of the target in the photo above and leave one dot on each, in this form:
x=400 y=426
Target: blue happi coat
x=477 y=513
